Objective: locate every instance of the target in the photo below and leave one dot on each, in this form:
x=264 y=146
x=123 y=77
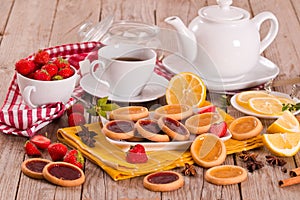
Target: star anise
x=86 y=136
x=250 y=160
x=246 y=156
x=189 y=170
x=273 y=160
x=254 y=165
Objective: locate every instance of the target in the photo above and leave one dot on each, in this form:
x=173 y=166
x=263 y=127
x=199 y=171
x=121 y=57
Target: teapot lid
x=223 y=12
x=89 y=32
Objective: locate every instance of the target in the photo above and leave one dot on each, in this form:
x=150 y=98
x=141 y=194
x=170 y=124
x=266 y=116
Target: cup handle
x=26 y=95
x=268 y=39
x=102 y=69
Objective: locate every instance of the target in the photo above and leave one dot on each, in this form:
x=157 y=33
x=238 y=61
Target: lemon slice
x=282 y=144
x=287 y=122
x=243 y=97
x=208 y=150
x=266 y=105
x=186 y=88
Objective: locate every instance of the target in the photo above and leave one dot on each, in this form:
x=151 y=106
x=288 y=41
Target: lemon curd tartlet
x=245 y=127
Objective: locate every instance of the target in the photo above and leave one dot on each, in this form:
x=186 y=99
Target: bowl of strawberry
x=42 y=80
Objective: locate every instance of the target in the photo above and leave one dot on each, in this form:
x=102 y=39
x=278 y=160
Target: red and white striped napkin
x=16 y=118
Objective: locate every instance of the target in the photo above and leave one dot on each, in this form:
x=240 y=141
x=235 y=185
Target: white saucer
x=263 y=72
x=249 y=112
x=155 y=88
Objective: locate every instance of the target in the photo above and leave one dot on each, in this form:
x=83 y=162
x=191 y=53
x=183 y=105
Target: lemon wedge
x=186 y=88
x=282 y=144
x=287 y=122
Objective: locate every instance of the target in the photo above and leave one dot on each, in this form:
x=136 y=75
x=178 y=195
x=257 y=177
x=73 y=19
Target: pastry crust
x=118 y=135
x=200 y=123
x=217 y=158
x=240 y=127
x=34 y=174
x=180 y=134
x=163 y=187
x=132 y=113
x=226 y=175
x=175 y=111
x=153 y=136
x=61 y=181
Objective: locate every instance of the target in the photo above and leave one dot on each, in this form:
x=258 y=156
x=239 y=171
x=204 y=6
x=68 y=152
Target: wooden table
x=26 y=26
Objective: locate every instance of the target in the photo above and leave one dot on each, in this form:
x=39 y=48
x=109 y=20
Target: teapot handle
x=268 y=39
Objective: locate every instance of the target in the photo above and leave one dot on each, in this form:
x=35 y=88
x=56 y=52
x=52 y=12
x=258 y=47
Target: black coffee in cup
x=131 y=59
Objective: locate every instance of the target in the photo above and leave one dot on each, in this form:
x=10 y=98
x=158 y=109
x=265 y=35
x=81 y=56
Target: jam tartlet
x=208 y=150
x=63 y=174
x=151 y=130
x=175 y=111
x=174 y=129
x=225 y=175
x=119 y=129
x=200 y=123
x=163 y=181
x=132 y=113
x=245 y=127
x=33 y=167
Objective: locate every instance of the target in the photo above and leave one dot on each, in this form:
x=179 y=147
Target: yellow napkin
x=112 y=159
x=236 y=146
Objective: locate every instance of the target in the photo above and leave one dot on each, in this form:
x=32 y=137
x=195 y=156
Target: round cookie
x=33 y=167
x=163 y=181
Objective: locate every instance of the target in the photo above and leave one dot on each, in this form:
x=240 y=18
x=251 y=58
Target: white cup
x=36 y=93
x=125 y=69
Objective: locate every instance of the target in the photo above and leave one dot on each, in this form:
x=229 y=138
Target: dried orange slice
x=287 y=122
x=208 y=150
x=266 y=105
x=243 y=97
x=282 y=144
x=245 y=127
x=186 y=88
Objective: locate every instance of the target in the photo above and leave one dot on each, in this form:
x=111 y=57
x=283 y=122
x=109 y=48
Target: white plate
x=155 y=88
x=249 y=112
x=161 y=146
x=263 y=72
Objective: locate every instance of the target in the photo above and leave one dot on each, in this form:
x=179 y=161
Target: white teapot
x=223 y=42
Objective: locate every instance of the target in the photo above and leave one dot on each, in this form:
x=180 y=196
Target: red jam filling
x=64 y=172
x=163 y=178
x=175 y=126
x=151 y=126
x=36 y=165
x=120 y=126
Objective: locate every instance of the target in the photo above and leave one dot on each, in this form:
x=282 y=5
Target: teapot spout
x=188 y=42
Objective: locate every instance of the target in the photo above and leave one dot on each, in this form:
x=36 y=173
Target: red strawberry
x=66 y=72
x=40 y=141
x=25 y=67
x=136 y=154
x=57 y=151
x=76 y=119
x=41 y=75
x=74 y=157
x=61 y=63
x=51 y=69
x=57 y=77
x=207 y=109
x=219 y=129
x=41 y=57
x=31 y=149
x=79 y=108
